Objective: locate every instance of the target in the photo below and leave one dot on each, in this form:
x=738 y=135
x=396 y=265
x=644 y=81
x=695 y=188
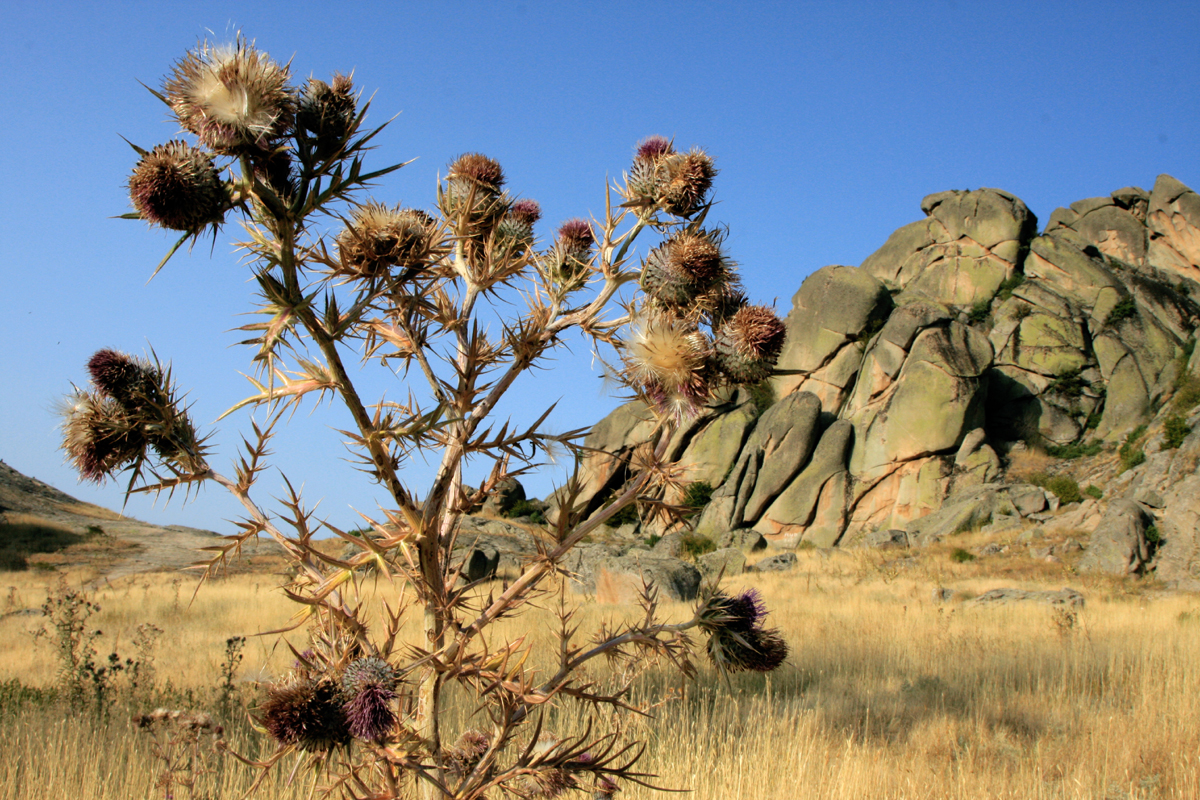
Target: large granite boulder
x=968 y=245
x=622 y=580
x=832 y=310
x=1118 y=545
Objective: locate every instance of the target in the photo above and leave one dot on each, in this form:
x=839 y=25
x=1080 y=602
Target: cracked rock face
x=966 y=332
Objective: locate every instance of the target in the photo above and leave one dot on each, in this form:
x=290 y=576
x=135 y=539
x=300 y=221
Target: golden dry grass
x=887 y=694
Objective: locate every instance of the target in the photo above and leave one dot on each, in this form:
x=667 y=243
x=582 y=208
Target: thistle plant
x=410 y=291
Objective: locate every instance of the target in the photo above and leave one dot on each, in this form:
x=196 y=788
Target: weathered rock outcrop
x=904 y=381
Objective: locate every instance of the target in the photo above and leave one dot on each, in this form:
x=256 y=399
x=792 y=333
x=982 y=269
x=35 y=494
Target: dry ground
x=888 y=693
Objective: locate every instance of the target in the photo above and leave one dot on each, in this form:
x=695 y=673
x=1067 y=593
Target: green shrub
x=695 y=544
x=652 y=540
x=625 y=516
x=961 y=556
x=697 y=495
x=1187 y=384
x=979 y=312
x=1064 y=487
x=528 y=508
x=874 y=326
x=1093 y=491
x=762 y=394
x=1175 y=430
x=1009 y=284
x=1130 y=454
x=1067 y=384
x=1125 y=308
x=1152 y=535
x=1074 y=450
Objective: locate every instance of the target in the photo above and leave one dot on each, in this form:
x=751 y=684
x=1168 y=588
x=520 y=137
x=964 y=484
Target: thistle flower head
x=478 y=169
x=748 y=344
x=651 y=149
x=525 y=211
x=739 y=613
x=737 y=640
x=176 y=186
x=126 y=379
x=305 y=714
x=369 y=714
x=575 y=236
x=757 y=650
x=467 y=751
x=326 y=113
x=379 y=237
x=370 y=685
x=235 y=99
x=99 y=436
x=665 y=350
x=686 y=181
x=684 y=267
x=606 y=787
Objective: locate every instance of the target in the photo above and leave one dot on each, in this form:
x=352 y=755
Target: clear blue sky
x=829 y=122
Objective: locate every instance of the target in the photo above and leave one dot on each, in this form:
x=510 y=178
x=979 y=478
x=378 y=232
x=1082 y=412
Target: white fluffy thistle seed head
x=666 y=351
x=234 y=98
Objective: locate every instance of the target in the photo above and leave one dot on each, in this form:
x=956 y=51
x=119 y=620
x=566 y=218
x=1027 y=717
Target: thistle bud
x=748 y=344
x=684 y=267
x=176 y=186
x=472 y=199
x=514 y=233
x=378 y=238
x=234 y=99
x=305 y=714
x=326 y=114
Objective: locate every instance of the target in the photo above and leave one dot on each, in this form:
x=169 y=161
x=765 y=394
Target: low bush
x=695 y=544
x=979 y=312
x=1175 y=430
x=1093 y=491
x=1130 y=454
x=697 y=495
x=528 y=508
x=1064 y=487
x=1126 y=308
x=961 y=556
x=1074 y=450
x=1009 y=284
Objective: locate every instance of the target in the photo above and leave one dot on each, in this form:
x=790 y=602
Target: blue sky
x=829 y=123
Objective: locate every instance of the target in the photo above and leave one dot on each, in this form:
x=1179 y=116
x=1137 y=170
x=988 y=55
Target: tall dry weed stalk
x=411 y=291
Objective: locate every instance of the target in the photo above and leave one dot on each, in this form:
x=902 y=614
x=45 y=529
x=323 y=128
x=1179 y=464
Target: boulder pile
x=908 y=382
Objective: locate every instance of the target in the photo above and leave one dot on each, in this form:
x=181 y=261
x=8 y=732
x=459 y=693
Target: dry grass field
x=887 y=694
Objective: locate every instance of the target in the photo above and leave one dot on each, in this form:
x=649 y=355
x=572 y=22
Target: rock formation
x=906 y=382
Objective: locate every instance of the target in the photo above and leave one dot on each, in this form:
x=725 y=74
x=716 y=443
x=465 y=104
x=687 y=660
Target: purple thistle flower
x=370 y=684
x=653 y=148
x=525 y=211
x=606 y=787
x=746 y=611
x=120 y=376
x=575 y=235
x=736 y=639
x=369 y=713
